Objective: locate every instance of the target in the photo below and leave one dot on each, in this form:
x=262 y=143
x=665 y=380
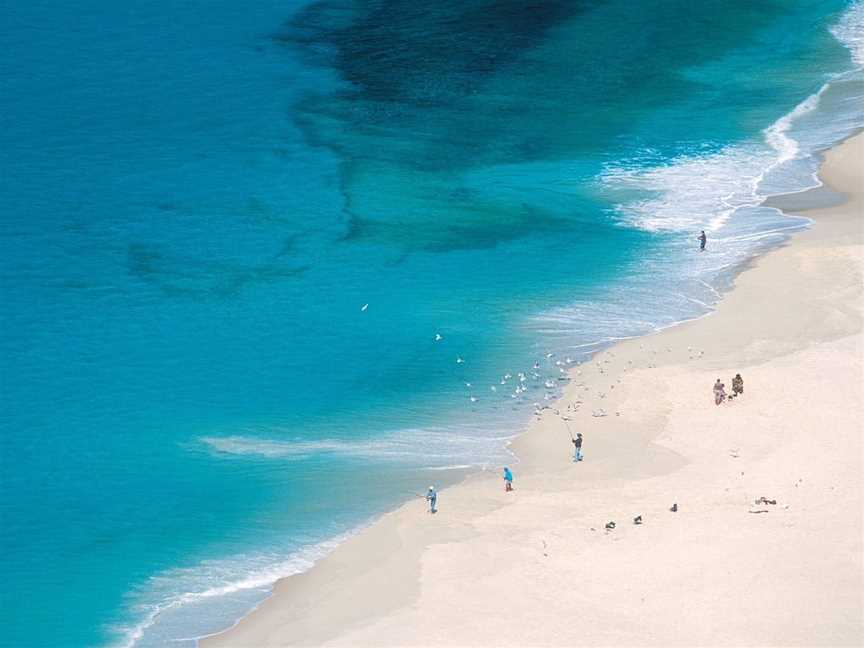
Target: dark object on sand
x=610 y=525
x=765 y=500
x=674 y=508
x=637 y=519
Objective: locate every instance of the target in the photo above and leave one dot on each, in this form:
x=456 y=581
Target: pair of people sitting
x=720 y=389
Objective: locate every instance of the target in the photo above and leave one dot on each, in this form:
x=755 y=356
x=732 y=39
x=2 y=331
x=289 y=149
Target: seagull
x=438 y=337
x=363 y=308
x=473 y=400
x=550 y=354
x=459 y=361
x=467 y=384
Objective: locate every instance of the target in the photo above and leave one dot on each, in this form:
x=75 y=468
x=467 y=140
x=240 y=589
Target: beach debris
x=733 y=453
x=674 y=507
x=765 y=500
x=637 y=519
x=610 y=526
x=493 y=388
x=598 y=413
x=544 y=548
x=549 y=355
x=758 y=511
x=460 y=361
x=363 y=308
x=467 y=384
x=438 y=337
x=473 y=399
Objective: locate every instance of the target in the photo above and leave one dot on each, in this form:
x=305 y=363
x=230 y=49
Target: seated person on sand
x=737 y=385
x=719 y=392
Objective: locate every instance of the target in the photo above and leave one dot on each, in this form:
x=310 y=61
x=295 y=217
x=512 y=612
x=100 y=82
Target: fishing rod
x=569 y=431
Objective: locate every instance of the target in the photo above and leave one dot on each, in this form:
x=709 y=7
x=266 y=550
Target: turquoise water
x=199 y=199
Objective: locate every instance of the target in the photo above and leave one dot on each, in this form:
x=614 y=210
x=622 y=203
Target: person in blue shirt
x=432 y=498
x=508 y=480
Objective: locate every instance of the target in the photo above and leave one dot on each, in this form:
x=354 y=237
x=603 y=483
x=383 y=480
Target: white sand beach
x=536 y=567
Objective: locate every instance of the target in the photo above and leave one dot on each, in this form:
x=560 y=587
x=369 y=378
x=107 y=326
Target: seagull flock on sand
x=558 y=372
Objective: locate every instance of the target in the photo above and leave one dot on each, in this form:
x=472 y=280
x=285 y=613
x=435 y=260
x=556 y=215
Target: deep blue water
x=199 y=198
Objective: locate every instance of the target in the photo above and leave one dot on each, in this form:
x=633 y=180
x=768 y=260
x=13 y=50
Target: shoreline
x=378 y=586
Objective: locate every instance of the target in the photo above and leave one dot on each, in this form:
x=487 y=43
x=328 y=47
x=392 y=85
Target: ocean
x=270 y=269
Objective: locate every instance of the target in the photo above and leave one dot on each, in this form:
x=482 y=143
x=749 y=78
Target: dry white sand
x=536 y=567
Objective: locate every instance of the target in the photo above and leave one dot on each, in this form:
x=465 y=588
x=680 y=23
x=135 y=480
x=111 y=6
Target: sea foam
x=429 y=447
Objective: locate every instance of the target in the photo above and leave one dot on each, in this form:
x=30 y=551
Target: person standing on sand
x=719 y=392
x=702 y=241
x=432 y=498
x=577 y=445
x=738 y=385
x=508 y=480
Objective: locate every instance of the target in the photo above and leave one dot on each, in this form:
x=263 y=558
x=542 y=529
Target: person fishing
x=432 y=498
x=508 y=480
x=577 y=447
x=702 y=241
